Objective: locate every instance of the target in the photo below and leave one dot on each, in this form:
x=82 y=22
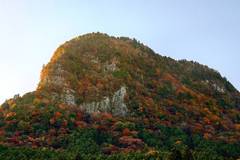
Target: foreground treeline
x=90 y=144
x=58 y=133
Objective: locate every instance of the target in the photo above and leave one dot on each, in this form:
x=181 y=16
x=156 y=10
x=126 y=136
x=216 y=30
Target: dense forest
x=103 y=97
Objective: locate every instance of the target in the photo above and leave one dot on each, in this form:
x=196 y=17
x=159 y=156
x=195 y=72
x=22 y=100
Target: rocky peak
x=95 y=72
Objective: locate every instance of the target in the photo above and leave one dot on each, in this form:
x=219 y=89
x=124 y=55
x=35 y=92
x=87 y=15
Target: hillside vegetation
x=103 y=97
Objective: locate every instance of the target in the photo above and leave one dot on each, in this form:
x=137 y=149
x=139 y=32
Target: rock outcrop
x=114 y=104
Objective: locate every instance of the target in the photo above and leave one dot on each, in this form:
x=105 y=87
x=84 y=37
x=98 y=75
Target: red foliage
x=52 y=132
x=2 y=132
x=13 y=140
x=107 y=116
x=111 y=149
x=129 y=141
x=62 y=131
x=52 y=121
x=64 y=123
x=206 y=120
x=197 y=128
x=79 y=115
x=80 y=124
x=101 y=127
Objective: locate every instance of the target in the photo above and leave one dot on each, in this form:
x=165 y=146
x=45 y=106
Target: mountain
x=108 y=97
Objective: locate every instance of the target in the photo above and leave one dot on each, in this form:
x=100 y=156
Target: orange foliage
x=178 y=142
x=197 y=127
x=206 y=110
x=158 y=72
x=35 y=113
x=214 y=118
x=171 y=78
x=45 y=101
x=206 y=120
x=62 y=106
x=126 y=132
x=207 y=135
x=10 y=114
x=149 y=102
x=57 y=115
x=237 y=127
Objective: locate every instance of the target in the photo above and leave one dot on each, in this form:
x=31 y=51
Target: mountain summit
x=99 y=73
x=127 y=91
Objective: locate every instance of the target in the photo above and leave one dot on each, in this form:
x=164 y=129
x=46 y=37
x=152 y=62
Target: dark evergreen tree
x=188 y=155
x=175 y=154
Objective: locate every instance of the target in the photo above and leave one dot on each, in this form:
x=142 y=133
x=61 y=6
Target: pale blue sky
x=207 y=31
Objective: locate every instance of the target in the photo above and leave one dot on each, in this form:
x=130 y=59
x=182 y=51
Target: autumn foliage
x=174 y=107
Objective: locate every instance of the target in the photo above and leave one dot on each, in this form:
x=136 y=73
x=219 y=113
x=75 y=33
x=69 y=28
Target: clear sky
x=207 y=31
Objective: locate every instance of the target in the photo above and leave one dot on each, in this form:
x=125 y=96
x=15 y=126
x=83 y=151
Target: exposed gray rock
x=68 y=97
x=119 y=107
x=102 y=106
x=218 y=88
x=96 y=61
x=114 y=105
x=215 y=86
x=110 y=67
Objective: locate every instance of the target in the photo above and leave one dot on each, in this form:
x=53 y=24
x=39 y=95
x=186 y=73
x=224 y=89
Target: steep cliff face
x=114 y=105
